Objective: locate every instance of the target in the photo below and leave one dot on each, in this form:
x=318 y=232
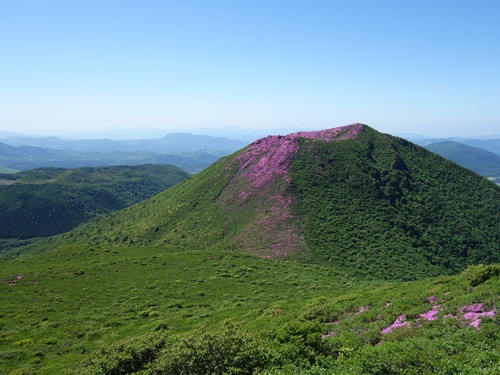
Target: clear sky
x=427 y=67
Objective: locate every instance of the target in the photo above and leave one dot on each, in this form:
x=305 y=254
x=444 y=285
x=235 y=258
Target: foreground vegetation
x=88 y=310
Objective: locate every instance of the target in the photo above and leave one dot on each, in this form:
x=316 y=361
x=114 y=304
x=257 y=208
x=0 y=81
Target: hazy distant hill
x=363 y=202
x=47 y=201
x=481 y=161
x=30 y=157
x=7 y=170
x=170 y=143
x=492 y=145
x=190 y=152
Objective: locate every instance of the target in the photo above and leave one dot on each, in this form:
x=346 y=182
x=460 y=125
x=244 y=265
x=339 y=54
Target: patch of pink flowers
x=14 y=281
x=329 y=334
x=362 y=309
x=398 y=323
x=473 y=314
x=431 y=314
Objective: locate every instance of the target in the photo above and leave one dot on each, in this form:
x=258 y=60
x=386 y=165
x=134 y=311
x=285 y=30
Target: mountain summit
x=364 y=202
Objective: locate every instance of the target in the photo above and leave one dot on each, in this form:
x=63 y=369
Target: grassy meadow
x=86 y=310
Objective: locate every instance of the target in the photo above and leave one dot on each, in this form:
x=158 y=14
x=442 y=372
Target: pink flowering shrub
x=431 y=314
x=472 y=314
x=432 y=299
x=398 y=323
x=362 y=309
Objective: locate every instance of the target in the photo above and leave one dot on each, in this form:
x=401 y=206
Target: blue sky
x=427 y=67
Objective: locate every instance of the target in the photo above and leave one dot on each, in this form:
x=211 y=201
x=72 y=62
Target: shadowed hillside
x=47 y=201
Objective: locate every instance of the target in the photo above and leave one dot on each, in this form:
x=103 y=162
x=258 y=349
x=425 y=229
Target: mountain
x=365 y=203
x=47 y=201
x=492 y=145
x=481 y=161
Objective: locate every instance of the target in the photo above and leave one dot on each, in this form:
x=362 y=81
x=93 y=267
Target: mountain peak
x=261 y=183
x=270 y=157
x=342 y=132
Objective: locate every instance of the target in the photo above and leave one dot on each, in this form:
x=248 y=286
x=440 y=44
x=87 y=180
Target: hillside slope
x=47 y=201
x=367 y=203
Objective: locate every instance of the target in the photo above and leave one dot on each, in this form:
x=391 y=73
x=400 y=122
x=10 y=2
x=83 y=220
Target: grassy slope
x=59 y=307
x=48 y=201
x=183 y=216
x=74 y=299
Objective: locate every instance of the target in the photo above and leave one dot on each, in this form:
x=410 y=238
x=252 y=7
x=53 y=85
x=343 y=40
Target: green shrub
x=230 y=351
x=477 y=275
x=125 y=357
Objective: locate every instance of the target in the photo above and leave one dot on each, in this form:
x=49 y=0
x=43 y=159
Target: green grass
x=75 y=299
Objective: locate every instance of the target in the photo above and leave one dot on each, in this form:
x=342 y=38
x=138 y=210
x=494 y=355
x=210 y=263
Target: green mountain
x=46 y=201
x=363 y=202
x=492 y=145
x=481 y=161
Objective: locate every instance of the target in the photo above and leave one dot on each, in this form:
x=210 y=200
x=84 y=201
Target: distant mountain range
x=190 y=152
x=170 y=143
